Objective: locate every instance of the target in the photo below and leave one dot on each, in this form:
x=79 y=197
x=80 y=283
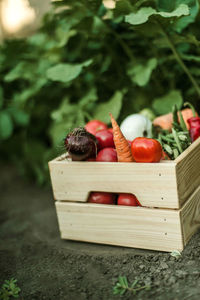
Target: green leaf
x=66 y=72
x=185 y=21
x=190 y=57
x=63 y=112
x=143 y=14
x=58 y=132
x=123 y=7
x=63 y=37
x=90 y=97
x=6 y=125
x=163 y=105
x=141 y=73
x=166 y=5
x=22 y=70
x=20 y=117
x=113 y=105
x=1 y=97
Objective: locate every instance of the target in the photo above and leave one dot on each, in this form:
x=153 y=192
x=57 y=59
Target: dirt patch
x=49 y=268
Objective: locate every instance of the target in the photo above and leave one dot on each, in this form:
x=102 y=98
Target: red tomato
x=146 y=150
x=102 y=198
x=128 y=199
x=105 y=139
x=94 y=126
x=107 y=154
x=111 y=130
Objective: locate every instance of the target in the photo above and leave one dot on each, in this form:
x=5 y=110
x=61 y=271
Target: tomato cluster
x=111 y=198
x=106 y=146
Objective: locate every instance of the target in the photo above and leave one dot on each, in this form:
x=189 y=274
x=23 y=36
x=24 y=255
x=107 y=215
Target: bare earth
x=49 y=268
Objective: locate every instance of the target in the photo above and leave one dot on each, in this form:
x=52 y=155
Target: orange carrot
x=165 y=121
x=122 y=146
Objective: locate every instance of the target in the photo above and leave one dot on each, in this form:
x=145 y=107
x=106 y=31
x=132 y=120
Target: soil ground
x=49 y=268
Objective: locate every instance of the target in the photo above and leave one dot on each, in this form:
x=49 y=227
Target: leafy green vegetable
x=6 y=125
x=66 y=72
x=141 y=73
x=113 y=105
x=142 y=15
x=164 y=104
x=1 y=97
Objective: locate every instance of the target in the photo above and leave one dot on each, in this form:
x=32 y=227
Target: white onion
x=136 y=125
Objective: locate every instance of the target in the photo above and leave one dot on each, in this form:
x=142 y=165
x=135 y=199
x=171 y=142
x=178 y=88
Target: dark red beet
x=81 y=144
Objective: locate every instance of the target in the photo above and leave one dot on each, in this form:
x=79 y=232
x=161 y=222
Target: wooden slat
x=154 y=184
x=188 y=171
x=190 y=216
x=138 y=227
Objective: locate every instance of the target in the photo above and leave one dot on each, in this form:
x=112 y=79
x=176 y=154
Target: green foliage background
x=86 y=61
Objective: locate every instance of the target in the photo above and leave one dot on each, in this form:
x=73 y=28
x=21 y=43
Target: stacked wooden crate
x=169 y=193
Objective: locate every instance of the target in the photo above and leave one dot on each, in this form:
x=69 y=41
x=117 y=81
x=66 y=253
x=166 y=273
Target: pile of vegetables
x=137 y=140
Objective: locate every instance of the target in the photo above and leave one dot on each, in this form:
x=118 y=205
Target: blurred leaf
x=163 y=105
x=20 y=117
x=166 y=5
x=64 y=110
x=185 y=21
x=143 y=14
x=20 y=71
x=123 y=7
x=6 y=125
x=1 y=97
x=113 y=105
x=58 y=132
x=189 y=57
x=91 y=96
x=66 y=72
x=64 y=37
x=141 y=73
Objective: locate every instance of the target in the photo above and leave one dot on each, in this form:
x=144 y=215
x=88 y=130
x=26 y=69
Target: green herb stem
x=177 y=140
x=192 y=108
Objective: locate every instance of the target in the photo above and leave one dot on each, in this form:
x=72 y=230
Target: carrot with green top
x=121 y=144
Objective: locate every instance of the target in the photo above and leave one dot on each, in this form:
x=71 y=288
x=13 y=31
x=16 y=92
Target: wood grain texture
x=154 y=184
x=188 y=172
x=190 y=216
x=138 y=227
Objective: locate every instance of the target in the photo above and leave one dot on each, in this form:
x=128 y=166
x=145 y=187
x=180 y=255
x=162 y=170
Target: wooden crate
x=169 y=193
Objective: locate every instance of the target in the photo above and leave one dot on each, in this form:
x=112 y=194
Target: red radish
x=94 y=126
x=102 y=198
x=81 y=144
x=111 y=130
x=107 y=154
x=105 y=139
x=127 y=199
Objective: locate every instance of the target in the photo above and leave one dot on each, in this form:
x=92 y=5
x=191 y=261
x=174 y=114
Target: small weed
x=176 y=253
x=122 y=286
x=9 y=290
